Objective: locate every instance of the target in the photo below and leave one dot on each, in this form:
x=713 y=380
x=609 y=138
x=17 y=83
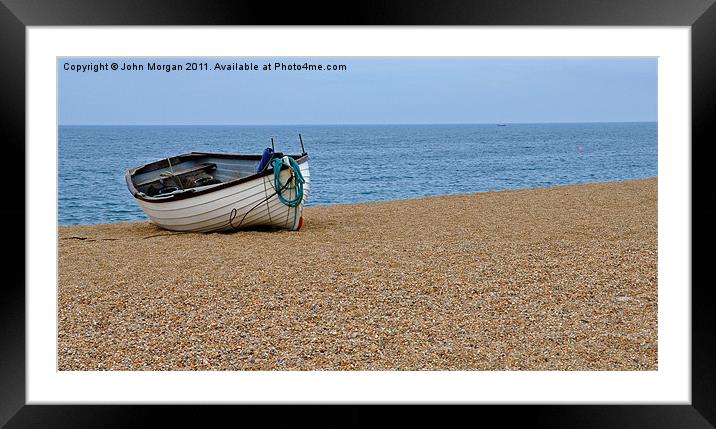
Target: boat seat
x=207 y=166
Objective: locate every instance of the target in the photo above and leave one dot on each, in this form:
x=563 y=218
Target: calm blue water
x=357 y=163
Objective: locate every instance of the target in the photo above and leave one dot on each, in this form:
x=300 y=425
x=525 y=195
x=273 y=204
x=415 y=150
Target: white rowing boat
x=207 y=192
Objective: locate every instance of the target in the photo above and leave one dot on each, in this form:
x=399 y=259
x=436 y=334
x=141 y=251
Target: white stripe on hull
x=275 y=215
x=212 y=211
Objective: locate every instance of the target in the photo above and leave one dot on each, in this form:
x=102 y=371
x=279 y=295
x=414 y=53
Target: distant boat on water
x=501 y=125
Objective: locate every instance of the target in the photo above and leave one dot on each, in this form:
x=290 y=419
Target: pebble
x=560 y=278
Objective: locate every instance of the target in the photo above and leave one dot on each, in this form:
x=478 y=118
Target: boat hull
x=244 y=205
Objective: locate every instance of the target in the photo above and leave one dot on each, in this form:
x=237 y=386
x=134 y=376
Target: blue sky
x=370 y=91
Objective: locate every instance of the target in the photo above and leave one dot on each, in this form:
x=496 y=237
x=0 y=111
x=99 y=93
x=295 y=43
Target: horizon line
x=356 y=123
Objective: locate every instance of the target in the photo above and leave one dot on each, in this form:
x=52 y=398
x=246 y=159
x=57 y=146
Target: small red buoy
x=300 y=223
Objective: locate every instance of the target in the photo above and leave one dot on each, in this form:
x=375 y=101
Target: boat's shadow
x=257 y=228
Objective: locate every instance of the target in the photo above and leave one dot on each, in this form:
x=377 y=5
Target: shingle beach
x=561 y=278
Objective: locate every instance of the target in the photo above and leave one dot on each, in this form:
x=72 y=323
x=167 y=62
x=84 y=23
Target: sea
x=359 y=163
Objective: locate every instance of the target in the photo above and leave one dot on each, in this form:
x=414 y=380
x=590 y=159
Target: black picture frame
x=16 y=15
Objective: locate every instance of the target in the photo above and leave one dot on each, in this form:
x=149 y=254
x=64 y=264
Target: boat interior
x=195 y=170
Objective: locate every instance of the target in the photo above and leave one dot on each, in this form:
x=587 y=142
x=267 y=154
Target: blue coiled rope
x=297 y=185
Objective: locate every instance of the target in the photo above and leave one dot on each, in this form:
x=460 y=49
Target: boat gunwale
x=300 y=159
